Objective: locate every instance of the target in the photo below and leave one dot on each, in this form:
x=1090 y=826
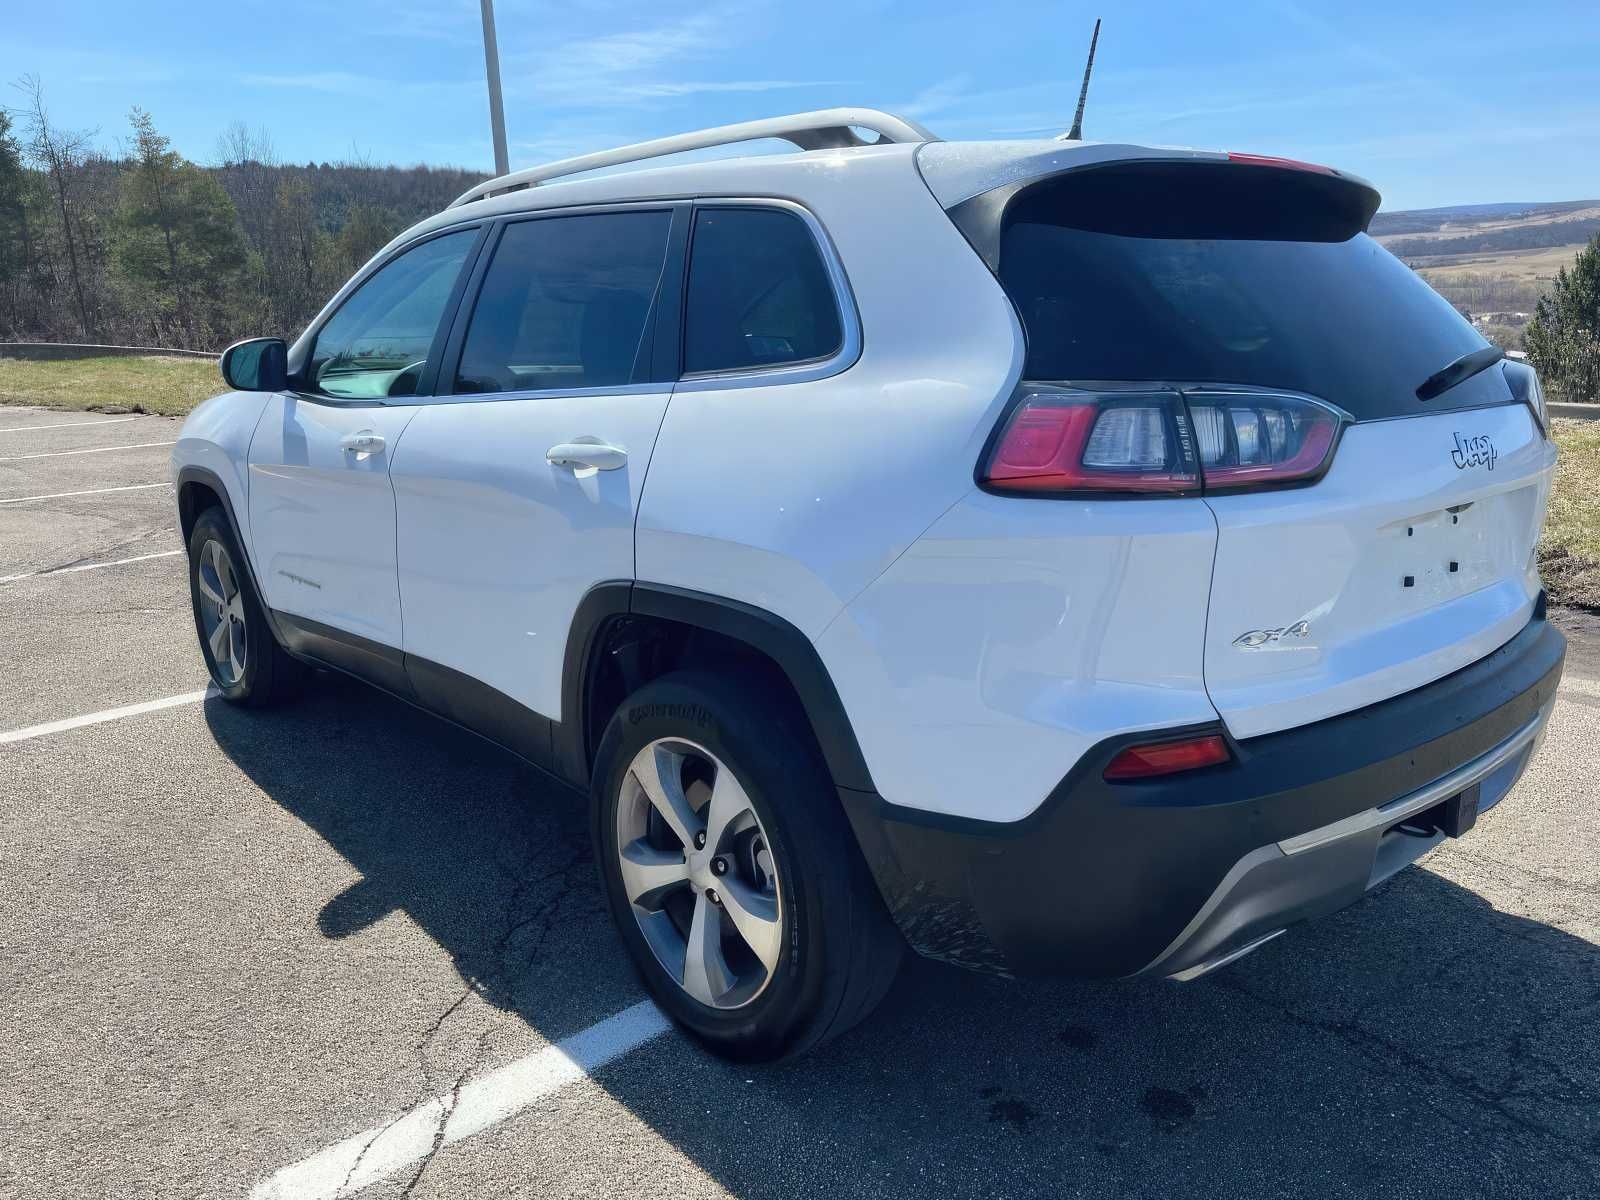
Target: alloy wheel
x=222 y=612
x=699 y=873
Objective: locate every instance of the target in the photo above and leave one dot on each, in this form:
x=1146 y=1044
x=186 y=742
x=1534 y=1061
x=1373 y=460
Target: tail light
x=1064 y=441
x=1061 y=440
x=1168 y=758
x=1248 y=439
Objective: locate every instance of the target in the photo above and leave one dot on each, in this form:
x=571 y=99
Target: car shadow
x=1420 y=1043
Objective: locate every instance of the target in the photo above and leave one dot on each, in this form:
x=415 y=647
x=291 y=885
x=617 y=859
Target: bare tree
x=248 y=164
x=61 y=153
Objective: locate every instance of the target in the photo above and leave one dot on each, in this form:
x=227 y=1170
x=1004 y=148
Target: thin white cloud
x=646 y=63
x=690 y=88
x=939 y=97
x=345 y=83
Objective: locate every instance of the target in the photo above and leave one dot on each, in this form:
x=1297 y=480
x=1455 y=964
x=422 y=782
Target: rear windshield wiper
x=1461 y=370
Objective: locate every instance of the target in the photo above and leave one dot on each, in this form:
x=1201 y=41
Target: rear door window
x=1199 y=278
x=758 y=294
x=565 y=304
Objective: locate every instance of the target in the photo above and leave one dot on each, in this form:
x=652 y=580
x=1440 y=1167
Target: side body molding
x=563 y=747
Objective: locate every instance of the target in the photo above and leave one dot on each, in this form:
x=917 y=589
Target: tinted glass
x=564 y=303
x=758 y=293
x=377 y=343
x=1205 y=299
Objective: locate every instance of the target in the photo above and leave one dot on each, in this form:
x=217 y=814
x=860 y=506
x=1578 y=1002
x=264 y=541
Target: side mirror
x=256 y=365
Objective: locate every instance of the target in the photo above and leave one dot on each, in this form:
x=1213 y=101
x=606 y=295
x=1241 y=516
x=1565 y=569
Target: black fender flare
x=212 y=482
x=763 y=631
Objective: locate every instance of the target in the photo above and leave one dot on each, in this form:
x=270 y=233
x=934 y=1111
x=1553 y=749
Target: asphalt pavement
x=342 y=949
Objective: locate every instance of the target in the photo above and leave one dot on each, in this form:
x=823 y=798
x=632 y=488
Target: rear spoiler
x=1194 y=194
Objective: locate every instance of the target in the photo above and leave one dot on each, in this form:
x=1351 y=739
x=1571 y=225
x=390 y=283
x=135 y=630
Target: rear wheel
x=731 y=872
x=246 y=663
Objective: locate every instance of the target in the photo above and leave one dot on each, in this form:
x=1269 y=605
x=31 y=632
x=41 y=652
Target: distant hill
x=1506 y=221
x=1492 y=261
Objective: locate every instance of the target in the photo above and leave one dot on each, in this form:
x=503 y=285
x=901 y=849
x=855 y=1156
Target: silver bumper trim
x=1358 y=835
x=1443 y=788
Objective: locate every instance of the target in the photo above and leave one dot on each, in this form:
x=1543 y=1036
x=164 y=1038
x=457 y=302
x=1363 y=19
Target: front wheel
x=245 y=661
x=731 y=872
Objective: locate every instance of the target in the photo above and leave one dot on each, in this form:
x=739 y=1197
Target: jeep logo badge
x=1474 y=452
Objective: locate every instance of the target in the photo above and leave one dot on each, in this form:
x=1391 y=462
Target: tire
x=246 y=664
x=834 y=950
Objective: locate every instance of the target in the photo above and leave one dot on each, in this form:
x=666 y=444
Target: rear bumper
x=1174 y=877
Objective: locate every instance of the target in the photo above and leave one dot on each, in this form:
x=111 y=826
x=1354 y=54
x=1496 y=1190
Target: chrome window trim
x=615 y=389
x=576 y=210
x=806 y=370
x=304 y=347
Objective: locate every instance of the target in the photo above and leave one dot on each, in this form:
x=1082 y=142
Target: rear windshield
x=1224 y=276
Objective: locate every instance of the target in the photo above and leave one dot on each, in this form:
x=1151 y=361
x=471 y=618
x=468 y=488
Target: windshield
x=1113 y=290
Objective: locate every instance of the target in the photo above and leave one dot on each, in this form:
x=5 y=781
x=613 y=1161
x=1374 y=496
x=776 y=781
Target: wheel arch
x=200 y=488
x=612 y=613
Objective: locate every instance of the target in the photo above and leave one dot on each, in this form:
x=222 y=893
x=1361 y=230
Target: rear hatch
x=1251 y=291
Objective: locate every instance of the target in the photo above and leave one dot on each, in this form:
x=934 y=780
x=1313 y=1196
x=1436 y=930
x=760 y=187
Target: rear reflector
x=1288 y=164
x=1168 y=758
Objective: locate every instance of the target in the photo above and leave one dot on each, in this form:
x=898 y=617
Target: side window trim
x=804 y=370
x=430 y=373
x=663 y=327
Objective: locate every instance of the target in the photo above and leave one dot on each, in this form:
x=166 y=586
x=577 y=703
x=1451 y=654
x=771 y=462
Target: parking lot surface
x=341 y=948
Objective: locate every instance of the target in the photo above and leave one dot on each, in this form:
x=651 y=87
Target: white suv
x=1052 y=556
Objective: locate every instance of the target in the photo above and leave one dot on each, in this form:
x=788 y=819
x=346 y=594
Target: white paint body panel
x=795 y=496
x=216 y=436
x=1015 y=634
x=1335 y=555
x=322 y=519
x=498 y=546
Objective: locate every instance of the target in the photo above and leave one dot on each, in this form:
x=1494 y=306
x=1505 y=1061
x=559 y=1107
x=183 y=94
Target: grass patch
x=168 y=387
x=1569 y=552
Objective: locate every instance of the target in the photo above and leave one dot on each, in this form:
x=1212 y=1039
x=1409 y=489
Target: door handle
x=363 y=443
x=581 y=454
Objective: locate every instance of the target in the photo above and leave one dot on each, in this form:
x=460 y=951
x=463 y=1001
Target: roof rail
x=825 y=129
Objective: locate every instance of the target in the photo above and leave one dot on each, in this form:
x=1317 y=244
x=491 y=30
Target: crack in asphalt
x=504 y=969
x=1510 y=869
x=141 y=536
x=1385 y=1050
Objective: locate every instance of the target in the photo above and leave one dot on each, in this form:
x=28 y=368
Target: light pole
x=497 y=112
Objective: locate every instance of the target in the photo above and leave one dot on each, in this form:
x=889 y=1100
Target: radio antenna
x=1076 y=132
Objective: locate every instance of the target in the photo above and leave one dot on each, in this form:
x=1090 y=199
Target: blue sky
x=1436 y=103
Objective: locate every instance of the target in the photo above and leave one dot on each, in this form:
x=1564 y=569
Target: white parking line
x=120 y=562
x=110 y=714
x=348 y=1166
x=92 y=450
x=133 y=487
x=65 y=425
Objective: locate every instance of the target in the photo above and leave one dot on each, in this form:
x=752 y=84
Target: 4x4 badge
x=1257 y=638
x=1474 y=452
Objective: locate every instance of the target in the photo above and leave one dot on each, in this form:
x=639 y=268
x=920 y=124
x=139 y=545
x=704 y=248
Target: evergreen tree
x=1563 y=338
x=178 y=235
